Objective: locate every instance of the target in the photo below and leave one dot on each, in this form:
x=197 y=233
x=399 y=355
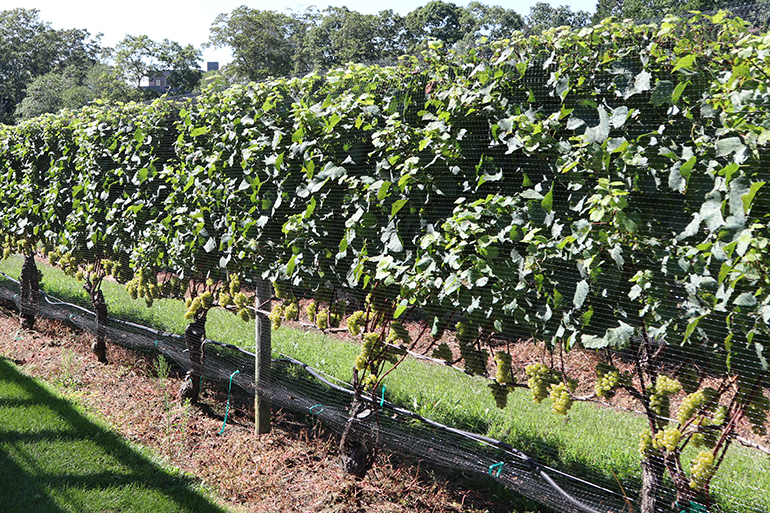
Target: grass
x=58 y=460
x=597 y=444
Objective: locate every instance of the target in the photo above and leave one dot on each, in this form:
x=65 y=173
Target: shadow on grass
x=54 y=459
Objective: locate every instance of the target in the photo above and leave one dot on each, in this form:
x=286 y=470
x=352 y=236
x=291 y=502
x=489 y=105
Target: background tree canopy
x=45 y=70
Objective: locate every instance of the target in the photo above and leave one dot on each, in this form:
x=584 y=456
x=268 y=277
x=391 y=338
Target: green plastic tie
x=382 y=397
x=227 y=410
x=494 y=470
x=320 y=406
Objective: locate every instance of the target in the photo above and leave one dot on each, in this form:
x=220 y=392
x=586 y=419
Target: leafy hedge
x=602 y=188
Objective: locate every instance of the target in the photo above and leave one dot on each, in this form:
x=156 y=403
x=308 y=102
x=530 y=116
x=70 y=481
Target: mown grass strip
x=598 y=444
x=55 y=459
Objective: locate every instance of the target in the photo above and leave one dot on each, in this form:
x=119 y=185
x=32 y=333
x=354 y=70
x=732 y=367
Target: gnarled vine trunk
x=358 y=444
x=193 y=337
x=30 y=291
x=652 y=478
x=99 y=347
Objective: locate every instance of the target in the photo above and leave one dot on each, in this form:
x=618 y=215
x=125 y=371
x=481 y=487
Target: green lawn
x=598 y=444
x=57 y=460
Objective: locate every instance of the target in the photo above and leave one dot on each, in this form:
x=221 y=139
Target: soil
x=294 y=468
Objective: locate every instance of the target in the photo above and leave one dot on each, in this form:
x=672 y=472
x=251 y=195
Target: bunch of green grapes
x=503 y=363
x=607 y=380
x=667 y=439
x=757 y=413
x=275 y=316
x=701 y=470
x=645 y=443
x=692 y=404
x=291 y=311
x=380 y=300
x=540 y=377
x=203 y=301
x=174 y=287
x=322 y=319
x=707 y=433
x=444 y=352
x=475 y=360
x=234 y=285
x=311 y=310
x=225 y=299
x=500 y=393
x=561 y=398
x=356 y=322
x=282 y=291
x=466 y=333
x=337 y=311
x=398 y=334
x=242 y=303
x=367 y=348
x=144 y=285
x=663 y=389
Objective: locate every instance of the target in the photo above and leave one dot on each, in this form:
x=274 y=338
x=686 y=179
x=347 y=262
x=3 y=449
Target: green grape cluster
x=275 y=316
x=173 y=287
x=608 y=379
x=111 y=267
x=311 y=310
x=356 y=322
x=234 y=285
x=381 y=302
x=503 y=375
x=336 y=313
x=291 y=311
x=475 y=360
x=444 y=352
x=66 y=261
x=540 y=377
x=398 y=334
x=367 y=348
x=706 y=435
x=144 y=285
x=500 y=393
x=283 y=291
x=645 y=443
x=694 y=402
x=561 y=399
x=225 y=299
x=322 y=319
x=757 y=413
x=667 y=439
x=203 y=301
x=701 y=470
x=466 y=333
x=661 y=392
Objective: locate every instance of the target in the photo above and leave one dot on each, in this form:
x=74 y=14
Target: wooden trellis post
x=263 y=356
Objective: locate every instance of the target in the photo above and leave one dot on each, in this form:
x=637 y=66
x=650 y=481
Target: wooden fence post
x=263 y=353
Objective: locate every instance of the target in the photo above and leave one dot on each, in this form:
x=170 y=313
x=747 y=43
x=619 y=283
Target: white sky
x=189 y=22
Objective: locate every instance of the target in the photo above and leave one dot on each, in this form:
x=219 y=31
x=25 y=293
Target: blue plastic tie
x=321 y=406
x=494 y=470
x=382 y=397
x=227 y=410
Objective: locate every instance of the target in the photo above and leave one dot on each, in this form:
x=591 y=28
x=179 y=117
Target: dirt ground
x=295 y=468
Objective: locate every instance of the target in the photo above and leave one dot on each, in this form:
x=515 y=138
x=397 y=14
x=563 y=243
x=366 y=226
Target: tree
x=263 y=42
x=435 y=20
x=30 y=48
x=182 y=64
x=542 y=16
x=341 y=36
x=494 y=22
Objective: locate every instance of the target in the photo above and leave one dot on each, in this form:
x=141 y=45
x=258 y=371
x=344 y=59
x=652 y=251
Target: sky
x=189 y=22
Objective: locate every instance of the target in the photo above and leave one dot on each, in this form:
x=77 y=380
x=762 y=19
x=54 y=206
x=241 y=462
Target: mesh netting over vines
x=575 y=221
